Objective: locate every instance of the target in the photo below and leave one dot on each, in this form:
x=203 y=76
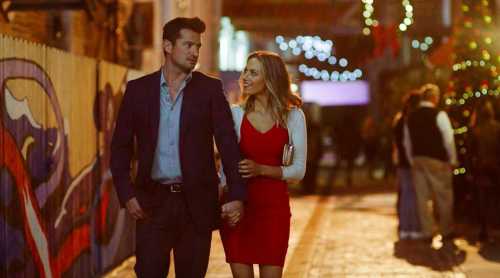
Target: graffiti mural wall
x=59 y=216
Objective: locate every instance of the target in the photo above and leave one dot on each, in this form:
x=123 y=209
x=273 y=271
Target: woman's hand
x=248 y=168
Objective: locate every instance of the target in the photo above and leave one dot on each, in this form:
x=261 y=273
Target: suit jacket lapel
x=154 y=106
x=185 y=111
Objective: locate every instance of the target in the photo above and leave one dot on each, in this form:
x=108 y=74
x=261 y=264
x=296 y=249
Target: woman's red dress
x=261 y=237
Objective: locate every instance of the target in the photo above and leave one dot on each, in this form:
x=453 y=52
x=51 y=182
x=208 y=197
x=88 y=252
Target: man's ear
x=167 y=46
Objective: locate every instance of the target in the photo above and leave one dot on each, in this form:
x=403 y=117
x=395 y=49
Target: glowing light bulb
x=343 y=62
x=284 y=46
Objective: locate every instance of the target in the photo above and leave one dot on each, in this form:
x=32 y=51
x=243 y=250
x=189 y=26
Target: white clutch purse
x=287 y=155
x=288 y=151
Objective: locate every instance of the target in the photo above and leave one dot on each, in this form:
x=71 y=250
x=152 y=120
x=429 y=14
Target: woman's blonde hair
x=277 y=82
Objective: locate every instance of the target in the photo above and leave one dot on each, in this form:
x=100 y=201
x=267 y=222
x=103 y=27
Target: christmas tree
x=475 y=70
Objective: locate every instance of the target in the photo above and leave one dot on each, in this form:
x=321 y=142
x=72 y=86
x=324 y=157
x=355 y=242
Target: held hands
x=135 y=209
x=248 y=168
x=232 y=212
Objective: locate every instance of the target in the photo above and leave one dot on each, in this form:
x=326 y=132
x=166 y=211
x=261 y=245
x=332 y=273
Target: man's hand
x=233 y=212
x=135 y=209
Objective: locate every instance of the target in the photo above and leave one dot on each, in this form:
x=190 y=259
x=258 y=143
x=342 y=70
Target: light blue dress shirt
x=167 y=164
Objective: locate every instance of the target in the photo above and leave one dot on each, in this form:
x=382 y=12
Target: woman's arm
x=249 y=168
x=297 y=126
x=295 y=172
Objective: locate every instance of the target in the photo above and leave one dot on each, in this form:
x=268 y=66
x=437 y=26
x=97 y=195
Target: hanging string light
x=408 y=18
x=369 y=21
x=311 y=46
x=335 y=76
x=423 y=45
x=314 y=47
x=367 y=14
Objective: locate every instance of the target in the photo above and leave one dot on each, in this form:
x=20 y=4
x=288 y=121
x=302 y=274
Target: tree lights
x=474 y=72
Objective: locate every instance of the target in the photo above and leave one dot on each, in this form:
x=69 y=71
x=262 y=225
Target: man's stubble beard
x=186 y=69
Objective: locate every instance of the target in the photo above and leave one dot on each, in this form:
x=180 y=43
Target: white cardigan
x=296 y=124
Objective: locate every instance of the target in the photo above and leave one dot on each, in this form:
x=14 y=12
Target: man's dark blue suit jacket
x=205 y=116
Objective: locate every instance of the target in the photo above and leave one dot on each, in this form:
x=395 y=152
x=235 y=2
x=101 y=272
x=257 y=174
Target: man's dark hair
x=171 y=29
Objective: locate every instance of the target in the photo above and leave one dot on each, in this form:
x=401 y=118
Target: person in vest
x=430 y=148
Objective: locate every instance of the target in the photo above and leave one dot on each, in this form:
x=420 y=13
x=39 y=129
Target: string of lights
x=314 y=47
x=330 y=76
x=478 y=58
x=469 y=96
x=474 y=63
x=424 y=45
x=369 y=21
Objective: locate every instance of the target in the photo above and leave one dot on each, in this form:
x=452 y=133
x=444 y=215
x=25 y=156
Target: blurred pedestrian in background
x=485 y=149
x=314 y=146
x=409 y=224
x=369 y=135
x=347 y=145
x=430 y=146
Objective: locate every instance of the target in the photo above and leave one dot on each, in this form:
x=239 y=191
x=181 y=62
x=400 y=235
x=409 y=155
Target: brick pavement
x=354 y=236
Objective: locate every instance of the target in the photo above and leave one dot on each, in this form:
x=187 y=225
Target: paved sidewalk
x=354 y=236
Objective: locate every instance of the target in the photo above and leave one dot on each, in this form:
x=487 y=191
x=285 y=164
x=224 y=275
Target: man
x=173 y=115
x=430 y=147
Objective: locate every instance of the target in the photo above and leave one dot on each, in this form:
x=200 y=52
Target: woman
x=409 y=225
x=485 y=149
x=269 y=114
